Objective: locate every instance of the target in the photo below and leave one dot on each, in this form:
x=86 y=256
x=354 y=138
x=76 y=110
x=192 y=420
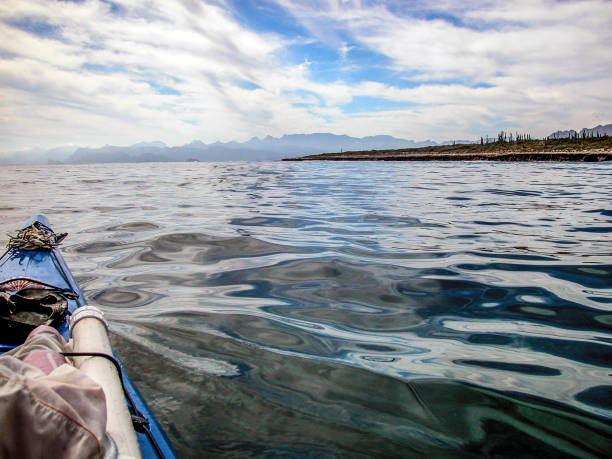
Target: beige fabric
x=48 y=408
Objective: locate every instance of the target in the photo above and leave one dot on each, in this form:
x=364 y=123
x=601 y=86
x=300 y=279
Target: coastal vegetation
x=506 y=147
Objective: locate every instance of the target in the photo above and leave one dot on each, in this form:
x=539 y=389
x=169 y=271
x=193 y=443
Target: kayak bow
x=37 y=288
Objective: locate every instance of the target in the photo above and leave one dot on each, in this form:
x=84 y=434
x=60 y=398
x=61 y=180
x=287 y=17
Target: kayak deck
x=49 y=267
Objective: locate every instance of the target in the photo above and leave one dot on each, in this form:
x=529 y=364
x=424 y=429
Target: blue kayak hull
x=49 y=267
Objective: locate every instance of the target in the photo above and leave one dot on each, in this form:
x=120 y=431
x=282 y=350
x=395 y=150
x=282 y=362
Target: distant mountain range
x=597 y=130
x=255 y=149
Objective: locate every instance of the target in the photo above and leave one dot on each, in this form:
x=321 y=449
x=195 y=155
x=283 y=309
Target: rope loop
x=35 y=237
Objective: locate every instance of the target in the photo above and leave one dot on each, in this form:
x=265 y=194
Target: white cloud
x=542 y=57
x=100 y=73
x=167 y=70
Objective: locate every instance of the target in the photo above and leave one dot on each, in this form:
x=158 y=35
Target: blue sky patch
x=161 y=89
x=266 y=16
x=452 y=82
x=99 y=68
x=483 y=85
x=359 y=64
x=36 y=27
x=6 y=55
x=454 y=16
x=245 y=84
x=362 y=64
x=114 y=8
x=311 y=51
x=361 y=104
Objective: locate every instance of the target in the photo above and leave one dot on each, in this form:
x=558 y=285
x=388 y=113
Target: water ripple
x=350 y=310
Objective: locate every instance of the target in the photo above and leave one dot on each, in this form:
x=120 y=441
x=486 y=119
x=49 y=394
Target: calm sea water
x=349 y=309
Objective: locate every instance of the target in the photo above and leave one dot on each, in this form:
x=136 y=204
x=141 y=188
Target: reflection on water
x=349 y=310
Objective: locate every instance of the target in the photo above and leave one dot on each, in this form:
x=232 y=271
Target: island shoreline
x=509 y=156
x=506 y=148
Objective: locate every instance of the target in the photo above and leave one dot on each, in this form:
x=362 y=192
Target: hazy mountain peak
x=155 y=144
x=600 y=129
x=266 y=148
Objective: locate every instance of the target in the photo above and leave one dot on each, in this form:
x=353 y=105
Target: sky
x=96 y=72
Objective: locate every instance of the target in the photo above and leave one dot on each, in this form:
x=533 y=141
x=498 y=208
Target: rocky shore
x=400 y=155
x=585 y=149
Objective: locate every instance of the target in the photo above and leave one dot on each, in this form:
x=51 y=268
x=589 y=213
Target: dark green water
x=349 y=310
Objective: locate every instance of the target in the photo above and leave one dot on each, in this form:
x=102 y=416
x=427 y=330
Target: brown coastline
x=582 y=150
x=579 y=156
